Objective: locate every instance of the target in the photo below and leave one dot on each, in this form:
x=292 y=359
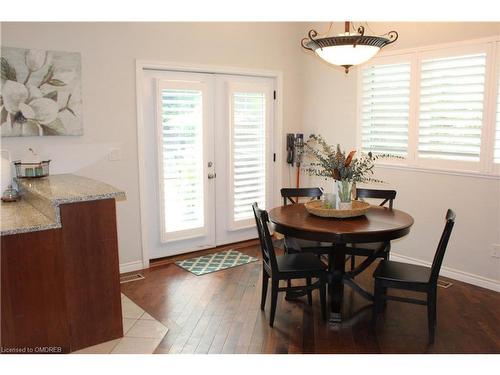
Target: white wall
x=317 y=98
x=109 y=51
x=330 y=110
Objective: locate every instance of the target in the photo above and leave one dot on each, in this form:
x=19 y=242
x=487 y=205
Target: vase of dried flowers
x=345 y=170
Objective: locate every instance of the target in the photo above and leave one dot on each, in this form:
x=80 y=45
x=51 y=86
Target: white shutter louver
x=451 y=107
x=248 y=152
x=496 y=156
x=182 y=142
x=385 y=108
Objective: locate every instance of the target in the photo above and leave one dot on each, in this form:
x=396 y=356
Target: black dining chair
x=287 y=267
x=295 y=245
x=396 y=275
x=376 y=249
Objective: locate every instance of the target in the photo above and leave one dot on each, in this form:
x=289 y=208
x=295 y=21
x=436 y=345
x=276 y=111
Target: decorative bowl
x=316 y=207
x=32 y=170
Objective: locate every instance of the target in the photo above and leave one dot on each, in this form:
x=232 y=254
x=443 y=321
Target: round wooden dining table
x=379 y=224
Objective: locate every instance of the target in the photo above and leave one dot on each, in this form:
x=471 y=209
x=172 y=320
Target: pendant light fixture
x=349 y=48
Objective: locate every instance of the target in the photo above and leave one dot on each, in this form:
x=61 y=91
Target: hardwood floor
x=220 y=313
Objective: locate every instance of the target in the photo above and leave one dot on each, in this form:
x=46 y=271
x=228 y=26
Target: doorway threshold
x=171 y=259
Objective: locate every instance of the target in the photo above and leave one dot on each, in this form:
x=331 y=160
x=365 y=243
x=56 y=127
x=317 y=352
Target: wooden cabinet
x=60 y=288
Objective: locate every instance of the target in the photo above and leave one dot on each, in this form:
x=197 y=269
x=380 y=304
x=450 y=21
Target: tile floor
x=141 y=333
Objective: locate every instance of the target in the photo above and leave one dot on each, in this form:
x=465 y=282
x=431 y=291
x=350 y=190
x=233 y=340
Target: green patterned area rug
x=215 y=262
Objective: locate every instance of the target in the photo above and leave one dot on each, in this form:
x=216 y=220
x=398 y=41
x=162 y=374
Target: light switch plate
x=114 y=154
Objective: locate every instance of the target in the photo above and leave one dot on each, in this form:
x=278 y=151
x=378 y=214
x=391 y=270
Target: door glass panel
x=248 y=153
x=182 y=143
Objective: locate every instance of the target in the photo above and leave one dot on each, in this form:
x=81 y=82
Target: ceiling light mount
x=347 y=49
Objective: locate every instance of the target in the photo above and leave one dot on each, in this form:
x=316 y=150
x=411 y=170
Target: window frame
x=494 y=102
x=485 y=166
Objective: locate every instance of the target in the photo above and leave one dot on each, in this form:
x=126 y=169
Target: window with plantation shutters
x=182 y=159
x=385 y=108
x=248 y=152
x=451 y=107
x=496 y=155
x=438 y=107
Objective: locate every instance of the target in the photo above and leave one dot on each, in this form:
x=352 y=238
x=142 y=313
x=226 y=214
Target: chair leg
x=288 y=282
x=289 y=296
x=431 y=313
x=265 y=282
x=309 y=292
x=377 y=301
x=274 y=299
x=383 y=301
x=322 y=296
x=353 y=262
x=387 y=251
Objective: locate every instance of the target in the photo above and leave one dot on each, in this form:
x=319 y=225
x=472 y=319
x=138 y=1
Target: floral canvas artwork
x=40 y=93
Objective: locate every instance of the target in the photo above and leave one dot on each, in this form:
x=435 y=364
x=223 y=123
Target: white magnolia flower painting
x=40 y=93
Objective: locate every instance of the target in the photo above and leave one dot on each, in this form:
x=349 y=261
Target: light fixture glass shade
x=347 y=55
x=347 y=49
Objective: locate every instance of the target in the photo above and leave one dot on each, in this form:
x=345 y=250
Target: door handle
x=212 y=175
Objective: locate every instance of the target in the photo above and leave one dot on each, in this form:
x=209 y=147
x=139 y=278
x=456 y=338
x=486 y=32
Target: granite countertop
x=68 y=188
x=39 y=208
x=22 y=217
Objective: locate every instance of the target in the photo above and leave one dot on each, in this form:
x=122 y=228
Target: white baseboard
x=452 y=273
x=131 y=266
x=445 y=271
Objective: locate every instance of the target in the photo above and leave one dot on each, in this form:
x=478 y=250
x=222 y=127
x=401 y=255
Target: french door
x=211 y=156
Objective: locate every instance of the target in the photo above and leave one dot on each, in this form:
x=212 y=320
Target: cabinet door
x=33 y=302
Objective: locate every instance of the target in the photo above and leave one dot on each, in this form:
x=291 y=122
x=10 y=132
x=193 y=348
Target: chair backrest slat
x=386 y=195
x=443 y=243
x=266 y=242
x=289 y=194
